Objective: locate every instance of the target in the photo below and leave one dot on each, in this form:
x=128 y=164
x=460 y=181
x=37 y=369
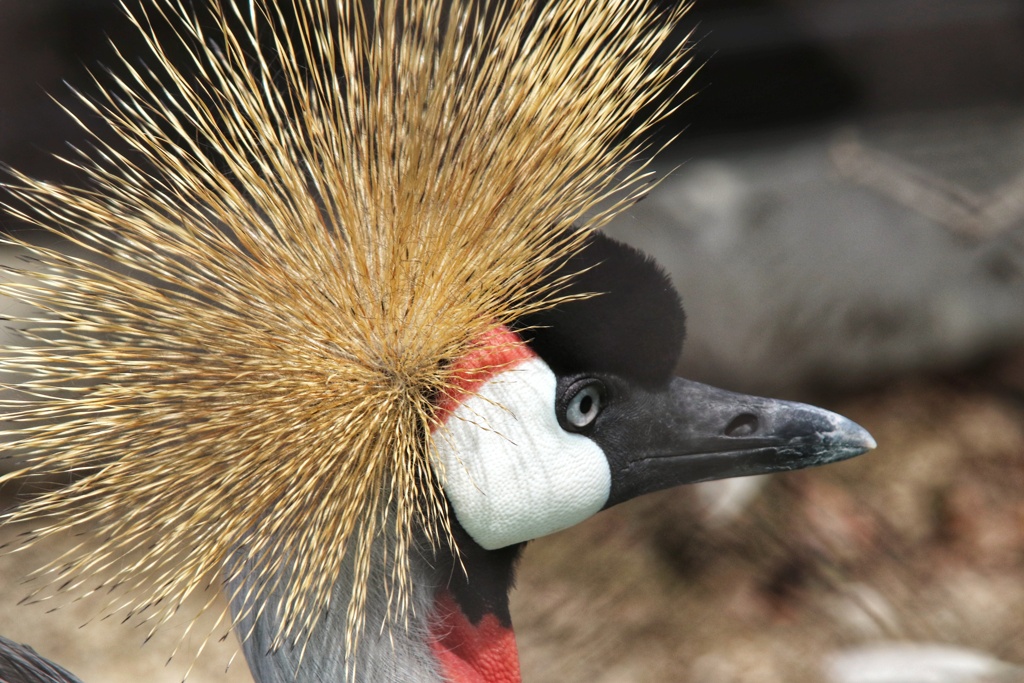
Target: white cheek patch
x=509 y=470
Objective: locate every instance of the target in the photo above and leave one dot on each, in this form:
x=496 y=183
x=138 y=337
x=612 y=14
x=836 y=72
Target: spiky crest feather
x=310 y=225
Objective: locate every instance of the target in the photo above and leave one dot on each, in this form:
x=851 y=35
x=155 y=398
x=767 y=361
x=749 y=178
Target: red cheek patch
x=495 y=352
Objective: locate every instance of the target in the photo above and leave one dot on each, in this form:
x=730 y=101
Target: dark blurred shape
x=766 y=64
x=48 y=47
x=786 y=63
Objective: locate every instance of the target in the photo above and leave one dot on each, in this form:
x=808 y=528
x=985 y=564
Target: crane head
x=581 y=410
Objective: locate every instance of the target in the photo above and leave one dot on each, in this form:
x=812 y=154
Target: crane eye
x=583 y=408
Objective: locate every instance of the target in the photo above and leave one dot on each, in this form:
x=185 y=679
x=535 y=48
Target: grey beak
x=693 y=432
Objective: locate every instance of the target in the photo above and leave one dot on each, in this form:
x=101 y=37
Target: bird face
x=512 y=472
x=582 y=412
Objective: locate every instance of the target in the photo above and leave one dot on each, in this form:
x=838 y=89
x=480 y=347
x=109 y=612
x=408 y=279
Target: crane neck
x=460 y=630
x=471 y=629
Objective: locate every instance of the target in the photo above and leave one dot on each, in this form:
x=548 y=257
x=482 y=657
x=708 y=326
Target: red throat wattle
x=472 y=653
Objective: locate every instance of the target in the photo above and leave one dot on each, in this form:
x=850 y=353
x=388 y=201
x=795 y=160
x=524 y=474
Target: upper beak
x=693 y=432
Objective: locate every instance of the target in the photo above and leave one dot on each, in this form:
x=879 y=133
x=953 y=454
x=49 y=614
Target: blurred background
x=843 y=213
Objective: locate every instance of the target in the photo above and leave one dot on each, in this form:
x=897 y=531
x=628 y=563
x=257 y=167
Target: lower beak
x=696 y=433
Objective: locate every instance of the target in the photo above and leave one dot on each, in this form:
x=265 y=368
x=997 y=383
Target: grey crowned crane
x=345 y=336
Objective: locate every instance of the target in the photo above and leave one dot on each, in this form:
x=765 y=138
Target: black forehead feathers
x=634 y=327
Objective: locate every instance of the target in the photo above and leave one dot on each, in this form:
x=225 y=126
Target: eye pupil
x=583 y=407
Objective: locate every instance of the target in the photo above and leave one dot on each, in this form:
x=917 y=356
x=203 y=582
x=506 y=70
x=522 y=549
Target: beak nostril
x=744 y=424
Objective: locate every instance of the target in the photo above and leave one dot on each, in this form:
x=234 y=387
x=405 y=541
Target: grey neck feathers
x=382 y=655
x=21 y=664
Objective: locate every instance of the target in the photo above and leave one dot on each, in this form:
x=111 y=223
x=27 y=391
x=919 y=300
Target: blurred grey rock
x=844 y=257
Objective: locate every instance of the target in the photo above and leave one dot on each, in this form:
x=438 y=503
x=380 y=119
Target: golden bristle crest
x=314 y=218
